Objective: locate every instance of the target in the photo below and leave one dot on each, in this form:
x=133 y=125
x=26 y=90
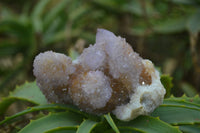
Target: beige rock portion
x=145 y=98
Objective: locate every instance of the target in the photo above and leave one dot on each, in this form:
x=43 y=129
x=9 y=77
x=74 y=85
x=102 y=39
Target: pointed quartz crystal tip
x=107 y=77
x=104 y=36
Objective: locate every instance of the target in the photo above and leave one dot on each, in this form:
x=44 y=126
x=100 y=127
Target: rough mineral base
x=107 y=77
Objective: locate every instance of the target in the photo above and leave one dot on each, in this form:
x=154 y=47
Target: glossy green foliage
x=167 y=83
x=148 y=124
x=52 y=121
x=168 y=117
x=27 y=92
x=86 y=126
x=111 y=122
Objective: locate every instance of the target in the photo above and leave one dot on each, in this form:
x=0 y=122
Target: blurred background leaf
x=167 y=83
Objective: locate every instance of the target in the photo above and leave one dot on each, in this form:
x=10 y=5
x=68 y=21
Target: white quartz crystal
x=107 y=77
x=121 y=57
x=52 y=68
x=92 y=58
x=52 y=71
x=94 y=90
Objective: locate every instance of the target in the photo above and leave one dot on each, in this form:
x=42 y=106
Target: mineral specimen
x=107 y=77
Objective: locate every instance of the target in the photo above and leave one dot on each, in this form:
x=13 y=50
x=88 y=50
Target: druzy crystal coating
x=107 y=77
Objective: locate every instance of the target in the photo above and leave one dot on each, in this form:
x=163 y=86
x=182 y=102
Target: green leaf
x=54 y=12
x=181 y=103
x=109 y=5
x=194 y=100
x=55 y=37
x=86 y=126
x=73 y=53
x=29 y=92
x=147 y=124
x=5 y=103
x=177 y=114
x=166 y=80
x=111 y=122
x=193 y=24
x=190 y=128
x=37 y=14
x=16 y=27
x=188 y=89
x=63 y=130
x=78 y=12
x=51 y=107
x=125 y=130
x=186 y=2
x=7 y=47
x=171 y=25
x=104 y=126
x=139 y=30
x=63 y=119
x=135 y=7
x=179 y=110
x=38 y=9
